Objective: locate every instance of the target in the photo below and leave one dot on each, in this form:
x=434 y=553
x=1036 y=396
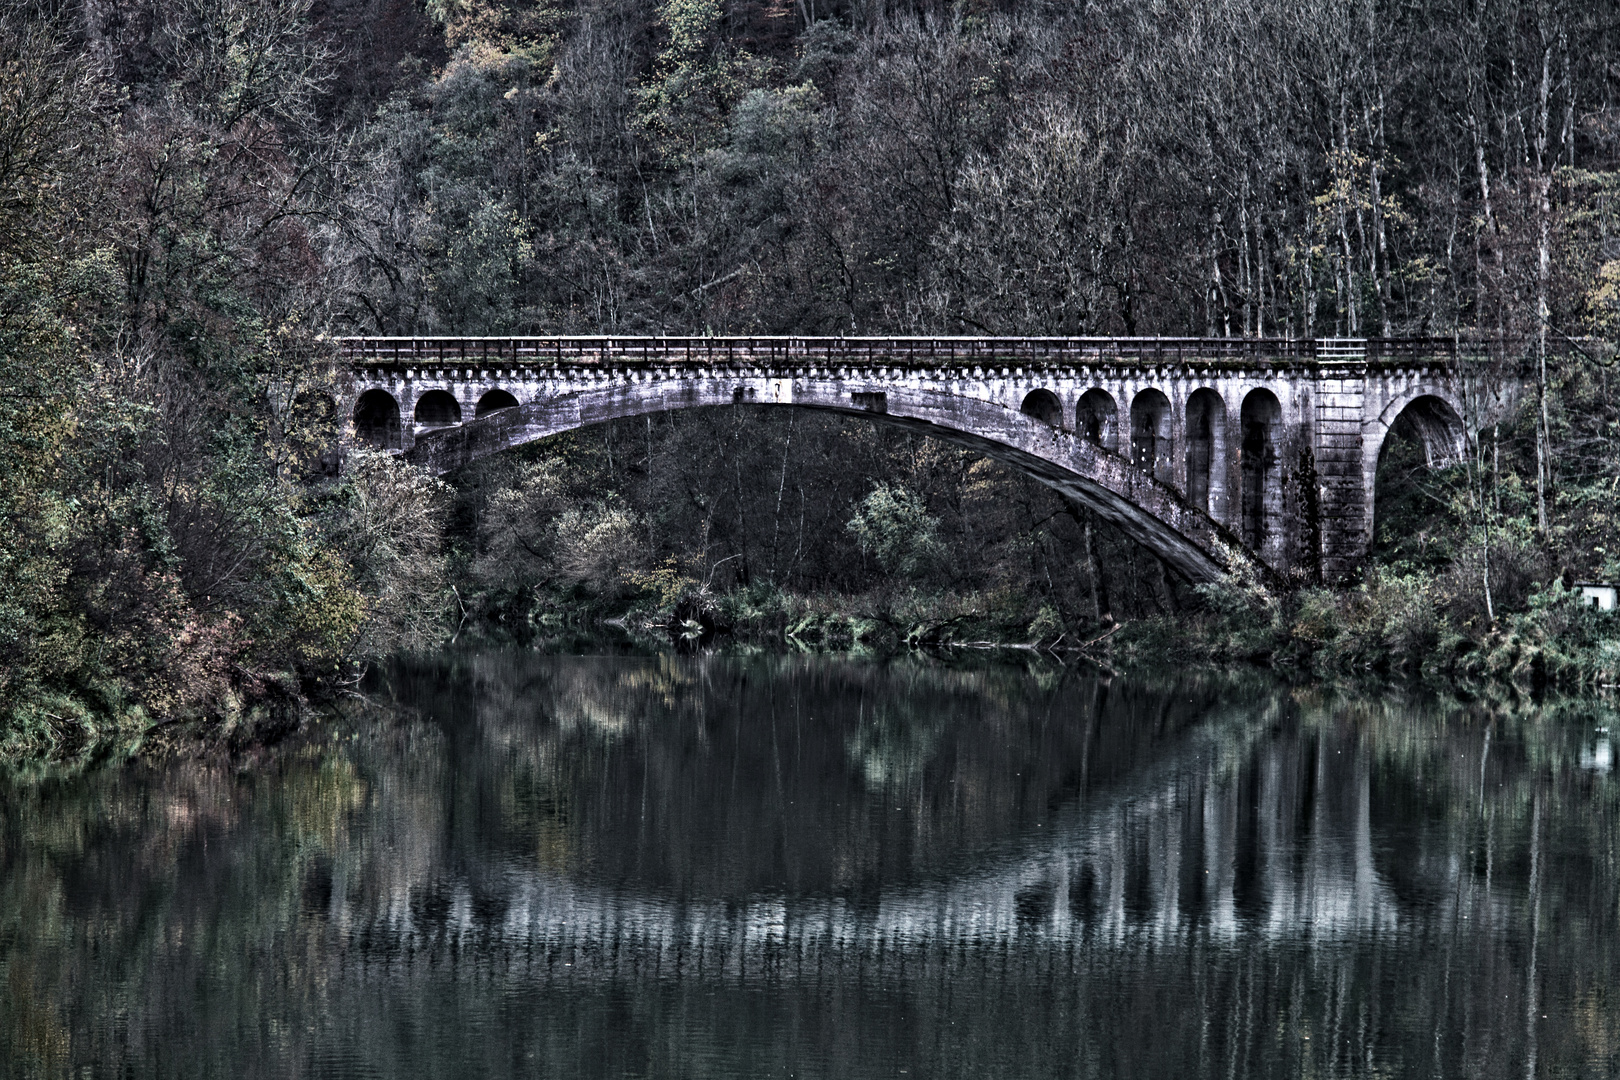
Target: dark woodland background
x=196 y=195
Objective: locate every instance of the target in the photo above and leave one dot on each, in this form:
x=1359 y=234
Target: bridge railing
x=918 y=351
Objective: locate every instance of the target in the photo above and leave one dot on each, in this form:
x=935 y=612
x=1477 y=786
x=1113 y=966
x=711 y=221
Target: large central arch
x=1146 y=509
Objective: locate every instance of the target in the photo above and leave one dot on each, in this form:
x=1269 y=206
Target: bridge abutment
x=1344 y=510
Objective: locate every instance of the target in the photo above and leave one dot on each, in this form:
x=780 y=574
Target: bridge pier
x=1212 y=452
x=1343 y=512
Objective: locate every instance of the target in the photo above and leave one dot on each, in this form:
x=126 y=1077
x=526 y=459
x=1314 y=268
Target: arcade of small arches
x=1150 y=443
x=377 y=419
x=1204 y=466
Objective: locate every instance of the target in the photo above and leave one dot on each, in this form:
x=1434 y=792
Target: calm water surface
x=524 y=865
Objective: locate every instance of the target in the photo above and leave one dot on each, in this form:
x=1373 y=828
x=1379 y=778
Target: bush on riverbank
x=885 y=619
x=1392 y=625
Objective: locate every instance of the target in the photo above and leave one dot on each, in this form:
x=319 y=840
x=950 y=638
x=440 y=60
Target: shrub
x=894 y=527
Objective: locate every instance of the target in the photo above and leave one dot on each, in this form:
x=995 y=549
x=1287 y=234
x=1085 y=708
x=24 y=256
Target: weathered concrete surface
x=1272 y=462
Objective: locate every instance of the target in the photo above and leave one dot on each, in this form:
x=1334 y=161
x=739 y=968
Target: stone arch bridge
x=1212 y=452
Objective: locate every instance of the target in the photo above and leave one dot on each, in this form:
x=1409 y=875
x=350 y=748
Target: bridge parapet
x=908 y=351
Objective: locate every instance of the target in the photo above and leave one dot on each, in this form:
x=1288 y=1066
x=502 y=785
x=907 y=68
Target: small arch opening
x=1408 y=511
x=1044 y=406
x=1150 y=433
x=1096 y=418
x=436 y=409
x=494 y=401
x=376 y=420
x=1206 y=439
x=1262 y=492
x=1433 y=425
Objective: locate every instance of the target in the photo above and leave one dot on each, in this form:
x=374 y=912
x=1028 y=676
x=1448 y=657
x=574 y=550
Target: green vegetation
x=1463 y=584
x=195 y=197
x=173 y=542
x=871 y=539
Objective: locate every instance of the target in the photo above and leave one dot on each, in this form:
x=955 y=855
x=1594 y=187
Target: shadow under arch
x=1151 y=437
x=1431 y=421
x=1044 y=406
x=1096 y=418
x=494 y=400
x=376 y=420
x=1422 y=431
x=1147 y=510
x=1262 y=482
x=437 y=408
x=1206 y=451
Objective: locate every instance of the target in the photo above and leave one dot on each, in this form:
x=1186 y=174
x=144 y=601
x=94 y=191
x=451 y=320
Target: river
x=514 y=864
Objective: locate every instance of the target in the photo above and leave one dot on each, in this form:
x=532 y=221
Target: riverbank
x=1385 y=631
x=882 y=619
x=1394 y=626
x=1388 y=625
x=1408 y=629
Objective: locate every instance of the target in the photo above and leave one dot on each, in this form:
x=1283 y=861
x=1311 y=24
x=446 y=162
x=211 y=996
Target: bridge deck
x=905 y=351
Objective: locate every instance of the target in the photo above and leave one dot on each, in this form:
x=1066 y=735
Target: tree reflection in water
x=723 y=866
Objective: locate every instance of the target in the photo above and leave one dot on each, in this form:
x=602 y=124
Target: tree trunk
x=1380 y=252
x=1245 y=271
x=1489 y=227
x=1543 y=283
x=1346 y=256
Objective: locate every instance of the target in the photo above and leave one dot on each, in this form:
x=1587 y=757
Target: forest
x=198 y=196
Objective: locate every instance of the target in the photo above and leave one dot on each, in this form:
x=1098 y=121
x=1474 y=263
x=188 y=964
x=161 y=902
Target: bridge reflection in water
x=728 y=867
x=1194 y=839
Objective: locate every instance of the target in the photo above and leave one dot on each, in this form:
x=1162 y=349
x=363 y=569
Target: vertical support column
x=1177 y=393
x=1341 y=388
x=406 y=396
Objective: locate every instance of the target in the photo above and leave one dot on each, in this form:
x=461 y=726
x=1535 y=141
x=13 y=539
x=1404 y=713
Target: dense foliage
x=195 y=193
x=170 y=542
